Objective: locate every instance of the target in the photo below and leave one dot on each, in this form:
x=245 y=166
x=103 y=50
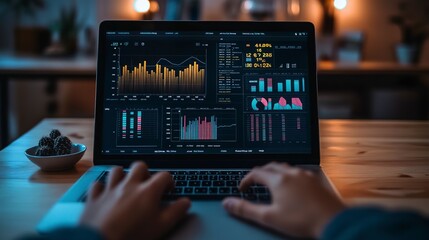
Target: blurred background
x=373 y=55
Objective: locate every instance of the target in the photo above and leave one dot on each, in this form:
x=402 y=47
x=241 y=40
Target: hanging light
x=141 y=6
x=340 y=4
x=293 y=7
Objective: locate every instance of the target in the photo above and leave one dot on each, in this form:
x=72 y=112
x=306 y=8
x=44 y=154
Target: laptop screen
x=205 y=92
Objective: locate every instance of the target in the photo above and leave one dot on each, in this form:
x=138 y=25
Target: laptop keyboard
x=209 y=185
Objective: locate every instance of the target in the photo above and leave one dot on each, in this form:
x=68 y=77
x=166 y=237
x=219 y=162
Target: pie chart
x=259 y=104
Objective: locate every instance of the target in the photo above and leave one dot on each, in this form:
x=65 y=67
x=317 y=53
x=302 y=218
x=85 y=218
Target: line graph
x=181 y=63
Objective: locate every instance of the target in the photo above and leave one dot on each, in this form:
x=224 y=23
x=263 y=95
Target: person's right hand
x=129 y=207
x=301 y=205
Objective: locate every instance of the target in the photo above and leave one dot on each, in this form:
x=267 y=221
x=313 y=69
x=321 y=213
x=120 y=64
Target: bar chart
x=137 y=127
x=164 y=77
x=204 y=125
x=276 y=85
x=198 y=128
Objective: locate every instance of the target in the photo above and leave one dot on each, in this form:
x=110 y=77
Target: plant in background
x=414 y=29
x=68 y=27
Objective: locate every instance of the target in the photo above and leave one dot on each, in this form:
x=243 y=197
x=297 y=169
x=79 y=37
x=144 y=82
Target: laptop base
x=200 y=223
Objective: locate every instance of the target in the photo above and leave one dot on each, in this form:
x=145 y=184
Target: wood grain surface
x=370 y=162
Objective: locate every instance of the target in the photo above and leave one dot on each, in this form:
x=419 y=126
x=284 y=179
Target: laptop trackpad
x=209 y=220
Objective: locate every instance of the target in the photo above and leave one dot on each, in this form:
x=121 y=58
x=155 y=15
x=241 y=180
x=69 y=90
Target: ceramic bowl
x=57 y=162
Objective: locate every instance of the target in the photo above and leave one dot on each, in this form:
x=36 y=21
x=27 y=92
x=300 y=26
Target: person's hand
x=301 y=205
x=130 y=207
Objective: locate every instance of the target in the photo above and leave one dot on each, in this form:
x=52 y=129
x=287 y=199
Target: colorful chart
x=273 y=127
x=137 y=127
x=275 y=85
x=266 y=104
x=162 y=79
x=219 y=125
x=198 y=128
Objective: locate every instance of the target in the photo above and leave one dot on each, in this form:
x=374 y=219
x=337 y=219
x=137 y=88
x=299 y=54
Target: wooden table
x=377 y=162
x=371 y=68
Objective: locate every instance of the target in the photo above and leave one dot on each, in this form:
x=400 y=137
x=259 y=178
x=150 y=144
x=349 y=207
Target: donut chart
x=266 y=104
x=259 y=104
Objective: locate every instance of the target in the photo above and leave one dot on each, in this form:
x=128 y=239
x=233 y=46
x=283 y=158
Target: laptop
x=206 y=101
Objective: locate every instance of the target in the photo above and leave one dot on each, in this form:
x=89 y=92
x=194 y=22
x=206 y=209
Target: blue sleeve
x=69 y=233
x=375 y=223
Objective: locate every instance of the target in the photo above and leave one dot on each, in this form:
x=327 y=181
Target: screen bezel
x=206 y=160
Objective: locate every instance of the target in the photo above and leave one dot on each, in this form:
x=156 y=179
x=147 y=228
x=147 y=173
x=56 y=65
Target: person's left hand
x=130 y=207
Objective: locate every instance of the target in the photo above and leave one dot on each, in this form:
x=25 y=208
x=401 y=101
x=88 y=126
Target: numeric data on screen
x=206 y=92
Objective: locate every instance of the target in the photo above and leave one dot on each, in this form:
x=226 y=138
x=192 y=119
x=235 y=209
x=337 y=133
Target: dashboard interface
x=206 y=93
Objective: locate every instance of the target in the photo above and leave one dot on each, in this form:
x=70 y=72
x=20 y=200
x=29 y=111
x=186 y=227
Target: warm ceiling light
x=154 y=6
x=293 y=7
x=141 y=6
x=340 y=4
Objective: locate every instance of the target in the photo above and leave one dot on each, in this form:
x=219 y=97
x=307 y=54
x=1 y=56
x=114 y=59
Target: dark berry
x=62 y=145
x=63 y=140
x=45 y=151
x=62 y=151
x=46 y=141
x=54 y=134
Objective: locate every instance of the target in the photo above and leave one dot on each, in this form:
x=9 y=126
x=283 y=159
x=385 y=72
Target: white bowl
x=57 y=162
